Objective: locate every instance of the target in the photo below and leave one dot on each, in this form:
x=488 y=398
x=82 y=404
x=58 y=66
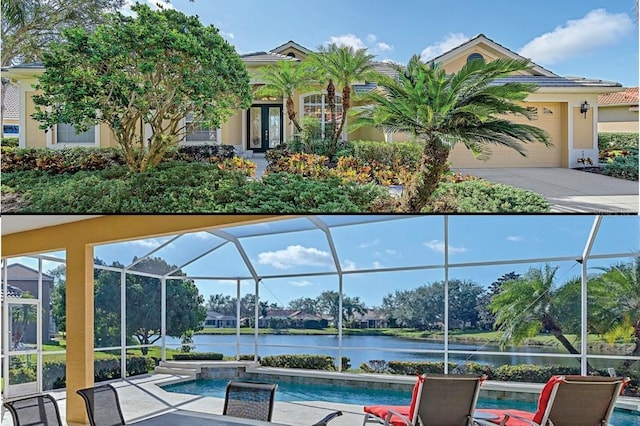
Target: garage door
x=548 y=116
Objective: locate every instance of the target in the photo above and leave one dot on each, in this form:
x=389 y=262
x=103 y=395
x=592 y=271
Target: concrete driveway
x=567 y=190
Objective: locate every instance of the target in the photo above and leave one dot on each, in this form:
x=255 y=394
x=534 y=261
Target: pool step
x=177 y=368
x=628 y=403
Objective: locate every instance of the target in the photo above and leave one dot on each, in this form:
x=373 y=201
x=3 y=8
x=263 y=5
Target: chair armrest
x=326 y=419
x=507 y=416
x=387 y=420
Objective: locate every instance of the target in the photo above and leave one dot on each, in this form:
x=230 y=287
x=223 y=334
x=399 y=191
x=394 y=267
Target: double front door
x=264 y=124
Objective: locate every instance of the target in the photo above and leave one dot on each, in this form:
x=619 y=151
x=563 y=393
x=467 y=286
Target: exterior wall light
x=584 y=108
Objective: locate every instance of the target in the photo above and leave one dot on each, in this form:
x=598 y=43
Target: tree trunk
x=346 y=104
x=636 y=350
x=549 y=325
x=291 y=113
x=433 y=165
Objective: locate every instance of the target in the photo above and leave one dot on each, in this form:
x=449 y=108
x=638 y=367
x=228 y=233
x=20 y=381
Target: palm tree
x=284 y=79
x=527 y=305
x=442 y=109
x=619 y=303
x=344 y=66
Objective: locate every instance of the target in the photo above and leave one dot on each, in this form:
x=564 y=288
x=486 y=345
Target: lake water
x=365 y=348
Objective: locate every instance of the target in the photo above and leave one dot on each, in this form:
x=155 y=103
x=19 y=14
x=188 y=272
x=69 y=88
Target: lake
x=364 y=348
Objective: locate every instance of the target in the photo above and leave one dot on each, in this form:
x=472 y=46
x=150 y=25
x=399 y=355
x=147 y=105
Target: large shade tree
x=344 y=66
x=284 y=79
x=29 y=26
x=441 y=110
x=185 y=306
x=155 y=68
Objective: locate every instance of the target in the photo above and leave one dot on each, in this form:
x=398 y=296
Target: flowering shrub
x=248 y=168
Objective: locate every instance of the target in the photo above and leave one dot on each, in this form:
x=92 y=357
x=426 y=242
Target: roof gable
x=19 y=272
x=291 y=48
x=488 y=48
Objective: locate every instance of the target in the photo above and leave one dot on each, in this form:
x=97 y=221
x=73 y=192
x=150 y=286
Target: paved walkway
x=567 y=190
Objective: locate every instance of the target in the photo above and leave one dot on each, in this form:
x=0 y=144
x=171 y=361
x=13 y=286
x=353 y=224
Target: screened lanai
x=386 y=272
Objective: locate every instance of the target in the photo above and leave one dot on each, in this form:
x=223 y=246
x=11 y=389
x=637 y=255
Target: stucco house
x=218 y=320
x=566 y=107
x=618 y=111
x=22 y=281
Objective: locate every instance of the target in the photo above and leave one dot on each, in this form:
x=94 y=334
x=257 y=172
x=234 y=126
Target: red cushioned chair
x=566 y=401
x=438 y=400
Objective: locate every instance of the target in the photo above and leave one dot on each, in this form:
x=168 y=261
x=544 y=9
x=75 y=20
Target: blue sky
x=588 y=38
x=399 y=243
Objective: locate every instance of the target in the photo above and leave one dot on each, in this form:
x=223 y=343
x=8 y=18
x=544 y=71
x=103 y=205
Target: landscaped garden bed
x=210 y=179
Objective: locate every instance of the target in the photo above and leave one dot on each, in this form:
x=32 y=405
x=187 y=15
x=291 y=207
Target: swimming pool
x=291 y=392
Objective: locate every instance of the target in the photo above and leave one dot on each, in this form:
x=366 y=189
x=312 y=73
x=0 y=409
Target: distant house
x=291 y=318
x=22 y=281
x=217 y=320
x=618 y=111
x=370 y=319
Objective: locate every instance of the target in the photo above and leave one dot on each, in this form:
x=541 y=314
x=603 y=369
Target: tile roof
x=11 y=292
x=544 y=81
x=293 y=44
x=11 y=102
x=628 y=96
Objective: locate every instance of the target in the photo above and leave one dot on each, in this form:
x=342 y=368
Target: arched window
x=475 y=57
x=317 y=106
x=291 y=55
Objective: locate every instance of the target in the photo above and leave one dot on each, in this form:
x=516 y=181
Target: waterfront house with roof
x=566 y=107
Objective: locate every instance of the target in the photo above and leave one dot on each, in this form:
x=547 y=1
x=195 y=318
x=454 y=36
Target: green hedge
x=10 y=142
x=54 y=372
x=198 y=356
x=309 y=362
x=617 y=140
x=481 y=196
x=407 y=153
x=431 y=367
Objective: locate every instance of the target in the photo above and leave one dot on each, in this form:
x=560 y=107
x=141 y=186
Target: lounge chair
x=103 y=405
x=437 y=400
x=34 y=410
x=566 y=401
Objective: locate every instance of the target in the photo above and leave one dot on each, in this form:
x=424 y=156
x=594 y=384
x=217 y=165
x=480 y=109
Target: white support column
x=243 y=142
x=255 y=326
x=163 y=316
x=340 y=322
x=237 y=320
x=5 y=320
x=123 y=324
x=446 y=294
x=584 y=296
x=39 y=328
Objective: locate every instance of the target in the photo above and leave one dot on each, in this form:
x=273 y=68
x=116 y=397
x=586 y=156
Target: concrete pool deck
x=142 y=397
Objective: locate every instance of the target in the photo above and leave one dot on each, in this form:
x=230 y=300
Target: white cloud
x=438 y=247
x=227 y=35
x=596 y=29
x=449 y=42
x=348 y=40
x=515 y=238
x=150 y=243
x=295 y=256
x=377 y=265
x=302 y=283
x=348 y=265
x=369 y=244
x=384 y=46
x=371 y=38
x=391 y=252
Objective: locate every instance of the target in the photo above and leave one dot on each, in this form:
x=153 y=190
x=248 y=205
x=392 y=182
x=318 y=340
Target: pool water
x=291 y=392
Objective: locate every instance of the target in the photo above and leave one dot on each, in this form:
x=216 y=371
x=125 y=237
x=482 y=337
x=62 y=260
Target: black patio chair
x=34 y=410
x=249 y=400
x=326 y=419
x=103 y=405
